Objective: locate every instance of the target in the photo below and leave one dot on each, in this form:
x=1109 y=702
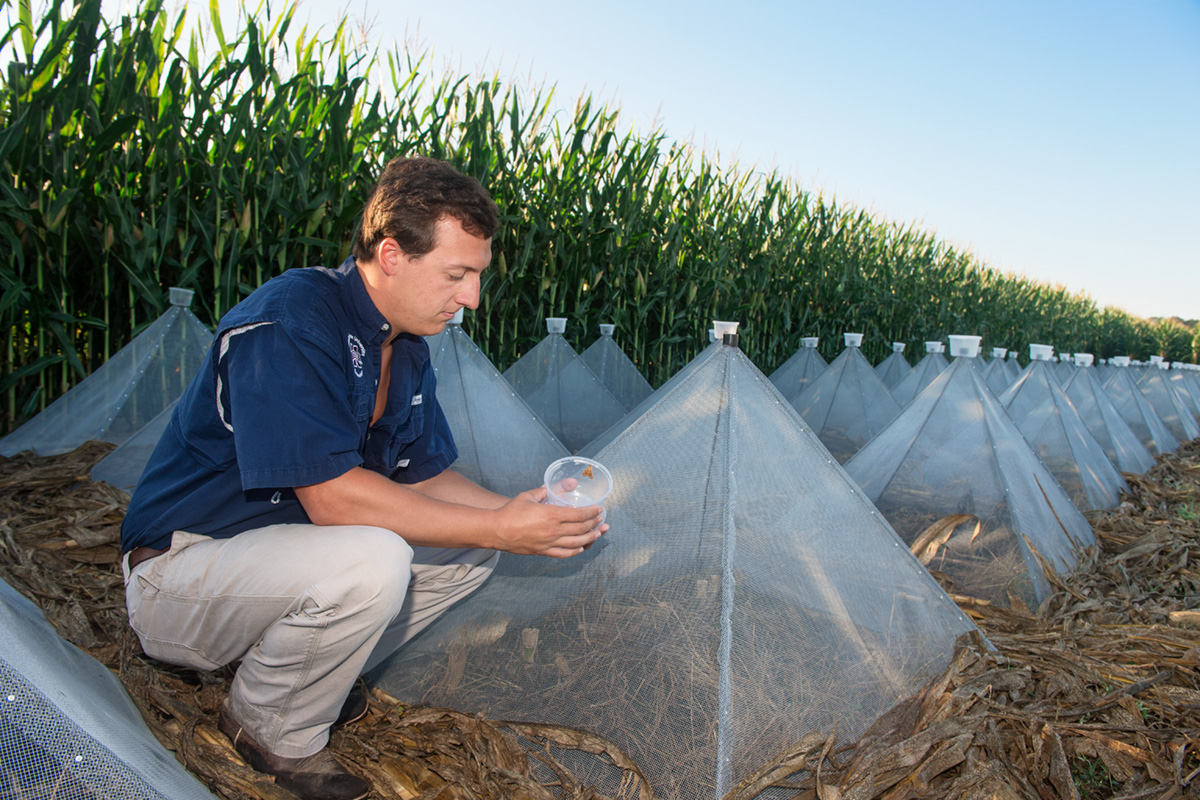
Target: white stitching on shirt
x=224 y=348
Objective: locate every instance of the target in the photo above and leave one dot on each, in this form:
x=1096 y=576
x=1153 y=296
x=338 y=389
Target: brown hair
x=410 y=198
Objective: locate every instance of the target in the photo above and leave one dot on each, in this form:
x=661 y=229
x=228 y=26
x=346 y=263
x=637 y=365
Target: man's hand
x=530 y=527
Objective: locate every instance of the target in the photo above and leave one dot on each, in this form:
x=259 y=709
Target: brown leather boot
x=315 y=777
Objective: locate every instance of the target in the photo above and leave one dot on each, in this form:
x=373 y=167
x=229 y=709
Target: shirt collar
x=364 y=308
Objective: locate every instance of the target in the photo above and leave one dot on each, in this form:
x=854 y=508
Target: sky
x=1054 y=139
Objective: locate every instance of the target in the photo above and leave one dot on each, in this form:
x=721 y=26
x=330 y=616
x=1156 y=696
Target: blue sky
x=1057 y=140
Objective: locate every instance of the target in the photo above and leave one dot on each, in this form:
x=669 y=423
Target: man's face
x=430 y=289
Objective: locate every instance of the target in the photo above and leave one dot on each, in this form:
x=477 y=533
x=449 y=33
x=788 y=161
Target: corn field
x=154 y=151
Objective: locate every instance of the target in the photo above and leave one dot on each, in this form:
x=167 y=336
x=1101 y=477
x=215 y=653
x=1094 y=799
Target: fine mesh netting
x=1053 y=427
x=923 y=374
x=605 y=358
x=846 y=404
x=563 y=392
x=1137 y=412
x=996 y=376
x=1187 y=390
x=893 y=368
x=1013 y=366
x=502 y=445
x=1167 y=403
x=794 y=374
x=746 y=594
x=1098 y=412
x=954 y=450
x=126 y=392
x=123 y=467
x=68 y=730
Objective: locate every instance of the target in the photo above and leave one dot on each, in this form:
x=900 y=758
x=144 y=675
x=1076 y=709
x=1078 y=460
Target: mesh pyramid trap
x=995 y=374
x=1184 y=382
x=126 y=392
x=1122 y=446
x=562 y=391
x=1136 y=410
x=1167 y=403
x=893 y=368
x=1053 y=427
x=804 y=365
x=954 y=457
x=605 y=358
x=923 y=374
x=846 y=404
x=68 y=729
x=123 y=467
x=1013 y=366
x=502 y=445
x=746 y=594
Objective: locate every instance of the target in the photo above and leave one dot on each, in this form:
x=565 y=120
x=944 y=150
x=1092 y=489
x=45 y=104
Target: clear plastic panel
x=747 y=594
x=923 y=374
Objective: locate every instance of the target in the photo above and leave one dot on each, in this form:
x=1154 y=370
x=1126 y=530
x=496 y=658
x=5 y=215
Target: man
x=297 y=514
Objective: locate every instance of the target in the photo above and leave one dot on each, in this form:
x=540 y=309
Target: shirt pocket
x=362 y=402
x=390 y=439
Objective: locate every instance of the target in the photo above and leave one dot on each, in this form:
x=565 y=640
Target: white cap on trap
x=965 y=346
x=712 y=336
x=1084 y=359
x=810 y=341
x=1178 y=365
x=180 y=297
x=1119 y=361
x=1156 y=359
x=556 y=324
x=1012 y=354
x=457 y=318
x=721 y=328
x=607 y=330
x=933 y=347
x=853 y=339
x=1163 y=365
x=1041 y=352
x=897 y=347
x=998 y=352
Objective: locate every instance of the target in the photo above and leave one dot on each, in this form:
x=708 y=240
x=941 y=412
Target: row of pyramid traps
x=760 y=576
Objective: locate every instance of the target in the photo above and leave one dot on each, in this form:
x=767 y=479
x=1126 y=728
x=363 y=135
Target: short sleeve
x=295 y=418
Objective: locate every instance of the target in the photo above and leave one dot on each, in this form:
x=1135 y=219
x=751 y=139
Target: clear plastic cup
x=578 y=482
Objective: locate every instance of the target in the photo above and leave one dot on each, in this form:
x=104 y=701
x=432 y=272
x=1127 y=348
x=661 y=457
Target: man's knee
x=375 y=568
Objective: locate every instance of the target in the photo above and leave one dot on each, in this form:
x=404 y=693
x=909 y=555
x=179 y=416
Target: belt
x=139 y=554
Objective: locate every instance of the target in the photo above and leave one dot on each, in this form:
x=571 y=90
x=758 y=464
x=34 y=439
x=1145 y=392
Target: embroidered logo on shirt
x=357 y=351
x=402 y=463
x=275 y=498
x=417 y=400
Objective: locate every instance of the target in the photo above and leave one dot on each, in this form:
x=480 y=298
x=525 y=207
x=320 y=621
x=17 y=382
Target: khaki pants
x=306 y=608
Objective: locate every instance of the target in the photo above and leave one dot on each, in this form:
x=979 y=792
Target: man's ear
x=388 y=255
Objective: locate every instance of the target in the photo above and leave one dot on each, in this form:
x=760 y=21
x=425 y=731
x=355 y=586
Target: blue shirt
x=284 y=399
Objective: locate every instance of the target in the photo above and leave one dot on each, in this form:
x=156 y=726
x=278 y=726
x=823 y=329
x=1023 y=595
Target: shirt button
x=385 y=327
